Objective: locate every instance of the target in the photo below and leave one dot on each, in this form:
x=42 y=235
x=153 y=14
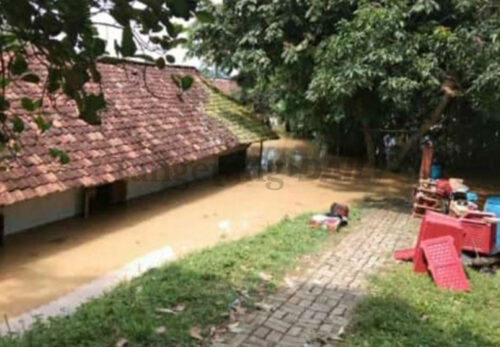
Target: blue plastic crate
x=493 y=205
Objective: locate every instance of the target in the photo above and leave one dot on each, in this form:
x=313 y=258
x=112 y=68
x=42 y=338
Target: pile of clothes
x=333 y=220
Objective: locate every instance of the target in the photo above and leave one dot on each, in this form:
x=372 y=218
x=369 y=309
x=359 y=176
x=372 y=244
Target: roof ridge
x=107 y=59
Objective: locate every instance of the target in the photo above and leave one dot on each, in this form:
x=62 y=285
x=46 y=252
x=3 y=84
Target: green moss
x=235 y=117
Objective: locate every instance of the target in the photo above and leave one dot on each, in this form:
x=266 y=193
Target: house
x=227 y=86
x=152 y=136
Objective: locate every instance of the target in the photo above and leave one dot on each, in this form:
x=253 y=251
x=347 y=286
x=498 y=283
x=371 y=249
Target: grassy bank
x=199 y=289
x=406 y=309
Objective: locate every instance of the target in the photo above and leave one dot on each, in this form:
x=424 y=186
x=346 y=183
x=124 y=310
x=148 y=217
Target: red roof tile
x=146 y=126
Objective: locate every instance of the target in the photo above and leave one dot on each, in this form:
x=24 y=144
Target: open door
x=103 y=196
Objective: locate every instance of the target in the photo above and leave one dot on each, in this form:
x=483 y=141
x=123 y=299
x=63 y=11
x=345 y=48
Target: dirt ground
x=42 y=264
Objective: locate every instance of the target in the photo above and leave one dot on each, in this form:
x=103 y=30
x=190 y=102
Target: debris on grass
x=262 y=306
x=235 y=328
x=165 y=310
x=160 y=330
x=265 y=276
x=180 y=307
x=122 y=343
x=195 y=333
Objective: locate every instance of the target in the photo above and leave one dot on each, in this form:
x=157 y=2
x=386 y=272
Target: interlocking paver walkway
x=320 y=303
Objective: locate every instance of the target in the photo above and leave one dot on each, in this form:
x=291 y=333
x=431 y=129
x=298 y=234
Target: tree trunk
x=358 y=112
x=435 y=118
x=370 y=145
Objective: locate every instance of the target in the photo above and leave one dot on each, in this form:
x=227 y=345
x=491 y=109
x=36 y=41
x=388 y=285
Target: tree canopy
x=62 y=36
x=387 y=64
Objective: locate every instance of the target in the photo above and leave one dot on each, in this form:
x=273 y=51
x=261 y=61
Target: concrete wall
x=35 y=212
x=171 y=177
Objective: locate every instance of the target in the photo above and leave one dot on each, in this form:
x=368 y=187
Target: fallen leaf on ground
x=195 y=333
x=160 y=330
x=244 y=293
x=264 y=307
x=216 y=333
x=235 y=328
x=165 y=310
x=289 y=282
x=265 y=276
x=180 y=307
x=341 y=331
x=237 y=307
x=122 y=343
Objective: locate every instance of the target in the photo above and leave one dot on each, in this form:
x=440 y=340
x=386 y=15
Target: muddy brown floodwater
x=44 y=263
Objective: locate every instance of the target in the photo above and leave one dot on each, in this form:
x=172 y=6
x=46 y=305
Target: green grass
x=406 y=309
x=206 y=283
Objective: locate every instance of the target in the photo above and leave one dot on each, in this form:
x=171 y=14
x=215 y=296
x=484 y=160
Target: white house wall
x=171 y=177
x=31 y=213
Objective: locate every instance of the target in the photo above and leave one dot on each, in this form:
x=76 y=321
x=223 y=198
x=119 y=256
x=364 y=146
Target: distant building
x=152 y=137
x=228 y=86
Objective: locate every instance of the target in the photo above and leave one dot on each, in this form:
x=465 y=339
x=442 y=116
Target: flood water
x=42 y=264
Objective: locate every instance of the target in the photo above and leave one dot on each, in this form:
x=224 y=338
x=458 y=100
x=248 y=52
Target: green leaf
x=27 y=104
x=42 y=124
x=17 y=124
x=64 y=158
x=92 y=104
x=183 y=82
x=128 y=47
x=54 y=78
x=4 y=103
x=4 y=82
x=186 y=82
x=18 y=66
x=56 y=153
x=204 y=17
x=181 y=8
x=170 y=58
x=31 y=78
x=160 y=63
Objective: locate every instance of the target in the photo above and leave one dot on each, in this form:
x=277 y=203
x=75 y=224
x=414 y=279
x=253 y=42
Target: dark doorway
x=103 y=196
x=233 y=163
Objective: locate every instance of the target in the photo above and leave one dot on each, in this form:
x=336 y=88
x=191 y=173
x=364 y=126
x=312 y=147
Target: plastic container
x=480 y=236
x=436 y=171
x=471 y=196
x=493 y=205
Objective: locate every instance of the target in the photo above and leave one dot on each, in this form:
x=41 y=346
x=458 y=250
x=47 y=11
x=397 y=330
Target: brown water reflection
x=39 y=265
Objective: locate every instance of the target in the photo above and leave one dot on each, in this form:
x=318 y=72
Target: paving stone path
x=317 y=306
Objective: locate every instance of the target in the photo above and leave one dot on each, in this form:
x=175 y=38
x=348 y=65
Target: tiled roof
x=227 y=86
x=145 y=127
x=237 y=118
